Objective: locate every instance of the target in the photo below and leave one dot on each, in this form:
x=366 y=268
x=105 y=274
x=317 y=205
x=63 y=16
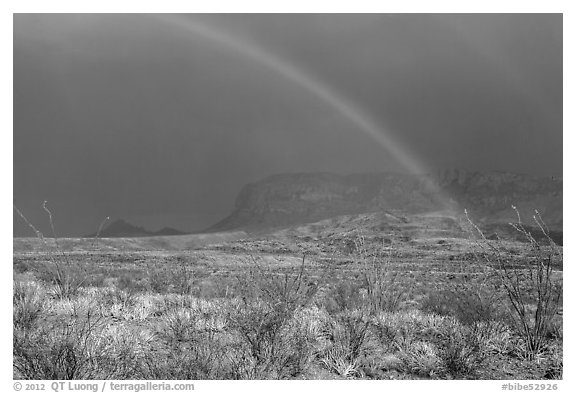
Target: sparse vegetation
x=380 y=309
x=534 y=296
x=66 y=277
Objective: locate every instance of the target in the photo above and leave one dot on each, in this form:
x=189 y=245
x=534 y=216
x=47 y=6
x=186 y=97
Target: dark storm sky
x=160 y=119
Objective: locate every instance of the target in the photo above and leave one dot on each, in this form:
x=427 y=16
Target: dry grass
x=389 y=310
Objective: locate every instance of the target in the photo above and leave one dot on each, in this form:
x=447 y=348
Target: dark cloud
x=135 y=116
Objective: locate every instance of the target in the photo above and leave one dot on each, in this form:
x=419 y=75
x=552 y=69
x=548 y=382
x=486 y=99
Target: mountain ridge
x=122 y=228
x=283 y=200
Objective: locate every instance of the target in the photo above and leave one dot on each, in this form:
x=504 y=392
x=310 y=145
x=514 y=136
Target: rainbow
x=361 y=120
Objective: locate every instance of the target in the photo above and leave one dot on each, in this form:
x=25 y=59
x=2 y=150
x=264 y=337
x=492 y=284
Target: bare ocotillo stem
x=36 y=231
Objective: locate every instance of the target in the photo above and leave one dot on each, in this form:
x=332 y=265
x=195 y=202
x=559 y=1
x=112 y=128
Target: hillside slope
x=292 y=199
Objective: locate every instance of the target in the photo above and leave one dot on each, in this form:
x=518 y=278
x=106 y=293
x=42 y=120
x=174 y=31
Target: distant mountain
x=167 y=231
x=292 y=199
x=122 y=228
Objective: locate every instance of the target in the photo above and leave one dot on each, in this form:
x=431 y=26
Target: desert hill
x=286 y=200
x=122 y=228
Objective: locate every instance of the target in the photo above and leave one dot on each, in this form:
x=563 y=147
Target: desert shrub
x=533 y=293
x=20 y=266
x=122 y=350
x=125 y=298
x=158 y=281
x=85 y=346
x=95 y=280
x=69 y=350
x=263 y=319
x=259 y=328
x=337 y=360
x=28 y=304
x=375 y=287
x=343 y=295
x=179 y=278
x=556 y=329
x=117 y=303
x=182 y=277
x=203 y=360
x=354 y=333
x=344 y=343
x=67 y=277
x=286 y=292
x=398 y=330
x=421 y=358
x=466 y=304
x=459 y=349
x=64 y=278
x=127 y=283
x=430 y=345
x=434 y=347
x=385 y=334
x=300 y=340
x=555 y=363
x=287 y=355
x=179 y=324
x=384 y=292
x=187 y=350
x=493 y=337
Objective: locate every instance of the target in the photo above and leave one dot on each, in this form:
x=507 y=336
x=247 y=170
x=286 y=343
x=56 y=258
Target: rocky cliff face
x=491 y=195
x=289 y=199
